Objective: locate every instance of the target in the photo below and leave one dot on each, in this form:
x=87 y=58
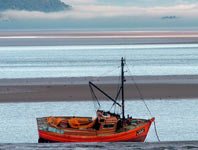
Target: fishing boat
x=105 y=127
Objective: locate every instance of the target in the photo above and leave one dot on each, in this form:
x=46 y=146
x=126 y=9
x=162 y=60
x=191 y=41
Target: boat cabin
x=107 y=122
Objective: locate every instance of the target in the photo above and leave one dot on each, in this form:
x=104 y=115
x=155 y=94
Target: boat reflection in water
x=105 y=127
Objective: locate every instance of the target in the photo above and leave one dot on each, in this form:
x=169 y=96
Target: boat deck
x=44 y=125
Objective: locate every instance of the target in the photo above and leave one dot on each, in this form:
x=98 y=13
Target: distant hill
x=33 y=5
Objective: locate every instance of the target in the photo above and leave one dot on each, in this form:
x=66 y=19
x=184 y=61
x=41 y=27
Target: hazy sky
x=109 y=14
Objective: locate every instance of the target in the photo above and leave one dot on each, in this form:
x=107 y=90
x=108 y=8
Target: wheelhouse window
x=108 y=125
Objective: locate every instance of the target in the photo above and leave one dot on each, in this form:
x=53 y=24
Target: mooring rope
x=142 y=98
x=156 y=131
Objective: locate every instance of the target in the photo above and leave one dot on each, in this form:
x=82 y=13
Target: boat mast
x=122 y=85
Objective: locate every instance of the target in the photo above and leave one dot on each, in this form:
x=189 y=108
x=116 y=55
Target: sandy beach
x=77 y=88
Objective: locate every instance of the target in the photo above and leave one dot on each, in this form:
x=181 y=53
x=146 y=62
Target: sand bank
x=58 y=38
x=74 y=89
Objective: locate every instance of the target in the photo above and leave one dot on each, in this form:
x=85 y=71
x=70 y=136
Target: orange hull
x=106 y=127
x=135 y=135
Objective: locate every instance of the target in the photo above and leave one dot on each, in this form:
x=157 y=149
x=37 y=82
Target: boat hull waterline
x=138 y=134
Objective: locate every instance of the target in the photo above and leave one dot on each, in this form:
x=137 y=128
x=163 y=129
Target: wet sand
x=180 y=145
x=77 y=88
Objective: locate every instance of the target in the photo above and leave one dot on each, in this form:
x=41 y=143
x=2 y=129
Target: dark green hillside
x=33 y=5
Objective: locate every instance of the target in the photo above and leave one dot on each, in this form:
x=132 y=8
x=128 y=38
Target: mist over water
x=98 y=60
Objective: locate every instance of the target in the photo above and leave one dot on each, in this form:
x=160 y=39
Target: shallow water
x=98 y=60
x=176 y=120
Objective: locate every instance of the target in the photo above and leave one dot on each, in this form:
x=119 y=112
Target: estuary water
x=97 y=60
x=176 y=120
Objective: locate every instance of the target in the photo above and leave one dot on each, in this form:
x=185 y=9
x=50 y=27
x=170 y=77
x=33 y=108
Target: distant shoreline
x=96 y=38
x=77 y=89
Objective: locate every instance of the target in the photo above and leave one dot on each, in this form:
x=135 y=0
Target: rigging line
x=117 y=95
x=118 y=92
x=105 y=73
x=94 y=95
x=139 y=91
x=142 y=98
x=105 y=94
